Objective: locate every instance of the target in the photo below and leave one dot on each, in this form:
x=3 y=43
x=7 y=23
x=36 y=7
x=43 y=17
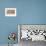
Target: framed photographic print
x=10 y=11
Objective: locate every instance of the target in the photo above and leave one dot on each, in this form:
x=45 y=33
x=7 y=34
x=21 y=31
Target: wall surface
x=28 y=12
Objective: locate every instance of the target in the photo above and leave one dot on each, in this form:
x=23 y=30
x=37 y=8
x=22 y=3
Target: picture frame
x=10 y=12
